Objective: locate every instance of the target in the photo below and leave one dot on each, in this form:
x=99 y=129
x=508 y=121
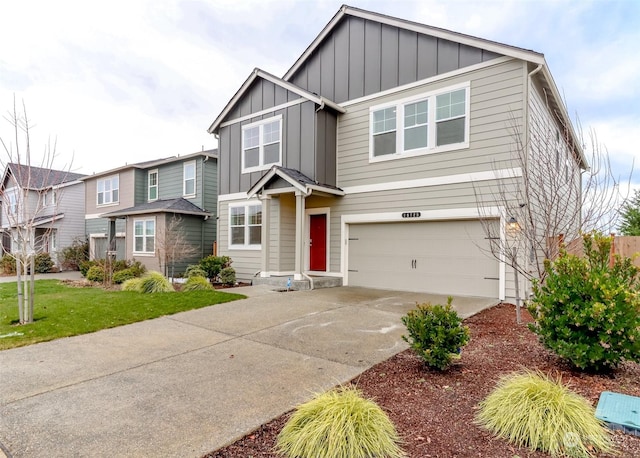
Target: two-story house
x=42 y=208
x=367 y=160
x=130 y=210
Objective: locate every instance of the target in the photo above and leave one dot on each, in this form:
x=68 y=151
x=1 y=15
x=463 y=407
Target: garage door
x=445 y=257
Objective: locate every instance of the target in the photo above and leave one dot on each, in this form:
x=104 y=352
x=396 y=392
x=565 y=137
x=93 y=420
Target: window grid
x=153 y=185
x=262 y=145
x=108 y=192
x=144 y=235
x=189 y=179
x=245 y=226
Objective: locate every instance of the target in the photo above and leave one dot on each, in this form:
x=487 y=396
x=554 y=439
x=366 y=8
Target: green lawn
x=63 y=311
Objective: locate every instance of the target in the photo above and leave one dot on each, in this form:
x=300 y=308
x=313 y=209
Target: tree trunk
x=20 y=296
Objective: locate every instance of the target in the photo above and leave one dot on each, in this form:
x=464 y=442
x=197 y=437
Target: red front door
x=318 y=242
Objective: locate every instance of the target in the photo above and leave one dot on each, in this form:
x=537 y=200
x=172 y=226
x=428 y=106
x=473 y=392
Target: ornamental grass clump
x=197 y=284
x=532 y=410
x=155 y=282
x=587 y=310
x=340 y=423
x=133 y=284
x=436 y=334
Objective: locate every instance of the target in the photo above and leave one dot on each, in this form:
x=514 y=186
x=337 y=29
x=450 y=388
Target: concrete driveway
x=189 y=383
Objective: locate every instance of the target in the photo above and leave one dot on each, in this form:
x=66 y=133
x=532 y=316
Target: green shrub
x=532 y=410
x=133 y=284
x=155 y=282
x=95 y=273
x=72 y=256
x=212 y=265
x=194 y=271
x=339 y=424
x=84 y=266
x=8 y=265
x=43 y=263
x=436 y=334
x=197 y=284
x=587 y=312
x=123 y=275
x=228 y=276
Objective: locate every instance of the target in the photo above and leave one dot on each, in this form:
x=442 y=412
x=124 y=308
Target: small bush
x=133 y=284
x=195 y=271
x=228 y=276
x=531 y=410
x=587 y=312
x=197 y=284
x=43 y=263
x=95 y=273
x=84 y=266
x=212 y=265
x=339 y=424
x=155 y=282
x=123 y=275
x=436 y=334
x=72 y=256
x=8 y=265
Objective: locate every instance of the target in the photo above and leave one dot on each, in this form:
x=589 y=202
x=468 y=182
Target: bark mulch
x=434 y=412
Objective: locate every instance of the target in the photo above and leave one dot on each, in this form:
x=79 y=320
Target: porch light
x=512 y=225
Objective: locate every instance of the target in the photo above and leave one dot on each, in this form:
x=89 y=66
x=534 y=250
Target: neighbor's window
x=108 y=190
x=12 y=207
x=412 y=126
x=49 y=198
x=189 y=176
x=153 y=185
x=144 y=235
x=245 y=225
x=262 y=144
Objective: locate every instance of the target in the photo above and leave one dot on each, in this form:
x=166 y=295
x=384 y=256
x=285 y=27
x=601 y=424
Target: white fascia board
x=232 y=196
x=436 y=181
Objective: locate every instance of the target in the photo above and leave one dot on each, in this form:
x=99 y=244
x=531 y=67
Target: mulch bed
x=434 y=411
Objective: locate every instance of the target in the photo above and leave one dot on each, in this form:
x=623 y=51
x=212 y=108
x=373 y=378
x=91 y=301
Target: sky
x=111 y=83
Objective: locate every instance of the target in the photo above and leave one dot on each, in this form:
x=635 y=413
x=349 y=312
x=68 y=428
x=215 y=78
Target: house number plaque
x=411 y=215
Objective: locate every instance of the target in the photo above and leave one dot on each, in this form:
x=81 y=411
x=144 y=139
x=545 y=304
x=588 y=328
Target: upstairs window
x=108 y=190
x=49 y=198
x=245 y=226
x=423 y=124
x=12 y=207
x=189 y=179
x=153 y=185
x=262 y=144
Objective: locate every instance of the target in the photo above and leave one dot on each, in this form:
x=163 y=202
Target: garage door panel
x=443 y=257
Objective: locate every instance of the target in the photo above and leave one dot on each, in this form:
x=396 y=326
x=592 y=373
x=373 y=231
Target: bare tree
x=172 y=246
x=565 y=187
x=27 y=197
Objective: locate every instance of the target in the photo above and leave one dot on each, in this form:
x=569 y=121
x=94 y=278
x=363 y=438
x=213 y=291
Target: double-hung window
x=189 y=179
x=426 y=123
x=262 y=144
x=245 y=226
x=153 y=185
x=144 y=236
x=108 y=190
x=13 y=203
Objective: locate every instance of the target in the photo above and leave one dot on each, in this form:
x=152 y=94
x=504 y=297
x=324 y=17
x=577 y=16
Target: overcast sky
x=126 y=81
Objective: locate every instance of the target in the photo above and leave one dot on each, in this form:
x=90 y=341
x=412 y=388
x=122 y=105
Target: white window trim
x=246 y=206
x=184 y=180
x=261 y=166
x=431 y=121
x=149 y=173
x=155 y=237
x=112 y=202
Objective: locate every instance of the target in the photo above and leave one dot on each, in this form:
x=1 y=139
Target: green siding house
x=161 y=213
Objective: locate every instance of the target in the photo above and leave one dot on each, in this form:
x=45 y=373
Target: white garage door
x=445 y=257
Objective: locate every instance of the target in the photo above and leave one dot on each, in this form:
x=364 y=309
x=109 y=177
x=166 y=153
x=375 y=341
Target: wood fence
x=624 y=245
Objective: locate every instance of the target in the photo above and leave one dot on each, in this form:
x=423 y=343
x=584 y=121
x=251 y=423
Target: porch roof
x=298 y=181
x=180 y=205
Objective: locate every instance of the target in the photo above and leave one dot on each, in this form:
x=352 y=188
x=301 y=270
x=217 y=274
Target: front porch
x=288 y=283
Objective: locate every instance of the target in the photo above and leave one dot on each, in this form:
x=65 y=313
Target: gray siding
x=362 y=57
x=246 y=262
x=496 y=98
x=72 y=226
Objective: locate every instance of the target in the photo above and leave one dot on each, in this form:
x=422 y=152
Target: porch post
x=299 y=266
x=265 y=235
x=111 y=236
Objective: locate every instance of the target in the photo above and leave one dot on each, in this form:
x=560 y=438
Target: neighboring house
x=129 y=210
x=44 y=206
x=364 y=161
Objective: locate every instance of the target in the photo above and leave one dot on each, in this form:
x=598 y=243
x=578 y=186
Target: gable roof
x=296 y=179
x=37 y=178
x=212 y=153
x=345 y=10
x=179 y=205
x=258 y=73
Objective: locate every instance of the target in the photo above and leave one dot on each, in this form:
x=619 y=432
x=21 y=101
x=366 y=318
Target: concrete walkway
x=186 y=384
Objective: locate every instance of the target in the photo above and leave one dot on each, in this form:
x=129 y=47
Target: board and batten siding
x=496 y=100
x=363 y=57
